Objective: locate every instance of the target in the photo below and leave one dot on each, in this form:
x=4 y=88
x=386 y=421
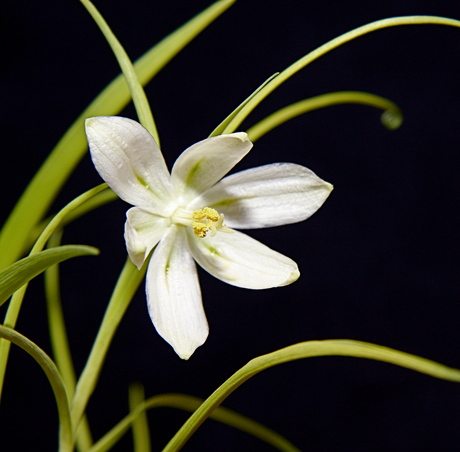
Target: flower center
x=202 y=221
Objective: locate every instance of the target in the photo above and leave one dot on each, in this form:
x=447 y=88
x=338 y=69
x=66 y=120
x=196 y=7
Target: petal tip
x=185 y=357
x=186 y=352
x=88 y=122
x=294 y=276
x=243 y=136
x=93 y=121
x=135 y=247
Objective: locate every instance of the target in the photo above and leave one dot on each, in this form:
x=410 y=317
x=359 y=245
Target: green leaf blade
x=22 y=271
x=310 y=349
x=57 y=385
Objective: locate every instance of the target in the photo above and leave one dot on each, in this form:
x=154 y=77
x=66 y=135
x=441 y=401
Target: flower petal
x=206 y=162
x=143 y=231
x=241 y=261
x=173 y=294
x=266 y=196
x=128 y=159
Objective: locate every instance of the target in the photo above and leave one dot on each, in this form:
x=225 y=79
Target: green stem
x=140 y=425
x=45 y=362
x=306 y=350
x=57 y=329
x=392 y=117
x=126 y=287
x=98 y=200
x=189 y=403
x=14 y=307
x=60 y=342
x=325 y=48
x=221 y=127
x=135 y=88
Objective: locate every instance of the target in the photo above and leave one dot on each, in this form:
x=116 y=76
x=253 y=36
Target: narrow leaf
x=190 y=403
x=135 y=88
x=45 y=362
x=309 y=349
x=391 y=118
x=22 y=271
x=140 y=425
x=16 y=301
x=325 y=48
x=60 y=341
x=221 y=127
x=127 y=284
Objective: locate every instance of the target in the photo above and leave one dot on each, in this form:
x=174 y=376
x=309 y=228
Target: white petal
x=128 y=159
x=241 y=261
x=266 y=196
x=143 y=231
x=173 y=294
x=203 y=164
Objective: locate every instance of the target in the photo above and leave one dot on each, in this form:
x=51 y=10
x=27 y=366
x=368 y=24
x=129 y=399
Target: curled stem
x=391 y=118
x=325 y=48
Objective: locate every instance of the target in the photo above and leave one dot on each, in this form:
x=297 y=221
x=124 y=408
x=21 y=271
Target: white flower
x=190 y=215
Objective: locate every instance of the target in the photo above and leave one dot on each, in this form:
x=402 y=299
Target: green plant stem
x=307 y=350
x=16 y=301
x=189 y=403
x=126 y=286
x=221 y=127
x=45 y=362
x=326 y=48
x=135 y=88
x=98 y=200
x=60 y=342
x=57 y=329
x=140 y=425
x=17 y=279
x=392 y=117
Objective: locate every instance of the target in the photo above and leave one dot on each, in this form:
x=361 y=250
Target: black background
x=379 y=261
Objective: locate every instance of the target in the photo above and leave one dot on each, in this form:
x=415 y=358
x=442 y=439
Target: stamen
x=208 y=212
x=208 y=219
x=200 y=229
x=202 y=221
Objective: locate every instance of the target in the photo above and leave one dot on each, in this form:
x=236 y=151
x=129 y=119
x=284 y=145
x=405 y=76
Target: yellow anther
x=211 y=214
x=200 y=229
x=206 y=213
x=207 y=219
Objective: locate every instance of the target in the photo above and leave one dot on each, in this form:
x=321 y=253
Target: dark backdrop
x=379 y=261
